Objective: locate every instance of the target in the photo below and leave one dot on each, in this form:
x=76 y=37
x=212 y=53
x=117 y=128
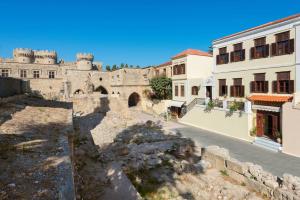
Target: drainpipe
x=297 y=52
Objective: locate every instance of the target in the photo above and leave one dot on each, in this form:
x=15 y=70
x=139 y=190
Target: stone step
x=267 y=144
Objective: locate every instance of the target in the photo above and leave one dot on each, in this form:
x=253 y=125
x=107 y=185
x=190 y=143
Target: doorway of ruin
x=133 y=99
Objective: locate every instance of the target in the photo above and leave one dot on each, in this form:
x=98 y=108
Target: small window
x=176 y=90
x=238 y=47
x=23 y=73
x=223 y=50
x=260 y=41
x=4 y=72
x=195 y=90
x=51 y=74
x=36 y=74
x=182 y=90
x=100 y=78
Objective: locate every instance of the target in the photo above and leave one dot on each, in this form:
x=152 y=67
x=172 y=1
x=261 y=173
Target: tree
x=131 y=66
x=126 y=65
x=162 y=87
x=107 y=68
x=122 y=66
x=137 y=66
x=114 y=67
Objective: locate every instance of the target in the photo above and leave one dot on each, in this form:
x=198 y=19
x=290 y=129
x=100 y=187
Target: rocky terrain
x=160 y=163
x=32 y=149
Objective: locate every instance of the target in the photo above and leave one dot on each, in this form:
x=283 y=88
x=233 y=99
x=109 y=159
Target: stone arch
x=101 y=89
x=79 y=91
x=133 y=99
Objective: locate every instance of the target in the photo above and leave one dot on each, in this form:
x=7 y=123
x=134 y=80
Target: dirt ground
x=30 y=148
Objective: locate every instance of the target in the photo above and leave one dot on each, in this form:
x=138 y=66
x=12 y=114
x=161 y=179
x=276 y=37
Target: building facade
x=55 y=79
x=259 y=65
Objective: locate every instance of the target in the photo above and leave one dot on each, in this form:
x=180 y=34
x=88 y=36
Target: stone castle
x=56 y=79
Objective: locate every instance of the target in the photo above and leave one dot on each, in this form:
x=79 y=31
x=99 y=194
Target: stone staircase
x=267 y=144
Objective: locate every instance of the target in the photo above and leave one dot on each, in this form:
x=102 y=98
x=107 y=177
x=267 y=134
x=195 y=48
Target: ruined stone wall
x=11 y=87
x=252 y=175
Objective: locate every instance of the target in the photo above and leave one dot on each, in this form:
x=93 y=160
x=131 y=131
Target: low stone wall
x=253 y=176
x=236 y=124
x=12 y=86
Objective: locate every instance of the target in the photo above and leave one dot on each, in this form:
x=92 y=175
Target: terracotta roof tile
x=165 y=64
x=262 y=26
x=270 y=98
x=192 y=52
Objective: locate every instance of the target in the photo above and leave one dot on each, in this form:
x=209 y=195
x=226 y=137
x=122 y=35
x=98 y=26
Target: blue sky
x=138 y=32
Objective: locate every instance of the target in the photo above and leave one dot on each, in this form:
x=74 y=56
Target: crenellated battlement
x=84 y=56
x=45 y=53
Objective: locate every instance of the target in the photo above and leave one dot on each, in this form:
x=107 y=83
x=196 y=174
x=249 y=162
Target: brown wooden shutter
x=291 y=87
x=274 y=124
x=227 y=58
x=218 y=59
x=231 y=57
x=243 y=54
x=242 y=91
x=252 y=86
x=291 y=46
x=273 y=49
x=252 y=53
x=266 y=86
x=274 y=86
x=226 y=90
x=266 y=51
x=231 y=91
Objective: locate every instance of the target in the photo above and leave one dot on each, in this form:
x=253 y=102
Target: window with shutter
x=176 y=90
x=259 y=85
x=222 y=87
x=283 y=45
x=284 y=85
x=238 y=53
x=222 y=58
x=182 y=90
x=195 y=90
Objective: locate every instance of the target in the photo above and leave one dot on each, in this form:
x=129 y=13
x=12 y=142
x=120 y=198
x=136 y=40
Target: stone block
x=241 y=179
x=282 y=194
x=236 y=166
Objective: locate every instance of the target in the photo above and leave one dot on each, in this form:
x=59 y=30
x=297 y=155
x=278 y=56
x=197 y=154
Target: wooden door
x=259 y=124
x=275 y=127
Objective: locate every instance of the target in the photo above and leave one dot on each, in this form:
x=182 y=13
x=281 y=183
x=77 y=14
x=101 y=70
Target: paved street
x=276 y=163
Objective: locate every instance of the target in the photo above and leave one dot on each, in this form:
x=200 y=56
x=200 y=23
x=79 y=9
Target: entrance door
x=209 y=92
x=275 y=125
x=260 y=124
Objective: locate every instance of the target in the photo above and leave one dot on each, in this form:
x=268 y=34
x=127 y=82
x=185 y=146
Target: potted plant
x=278 y=136
x=253 y=131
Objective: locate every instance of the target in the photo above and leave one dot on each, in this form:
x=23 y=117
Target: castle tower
x=22 y=55
x=84 y=61
x=45 y=57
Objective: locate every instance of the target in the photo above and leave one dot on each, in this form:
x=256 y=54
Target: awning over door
x=176 y=104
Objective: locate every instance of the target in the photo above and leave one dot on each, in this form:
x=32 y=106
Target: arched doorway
x=101 y=89
x=133 y=99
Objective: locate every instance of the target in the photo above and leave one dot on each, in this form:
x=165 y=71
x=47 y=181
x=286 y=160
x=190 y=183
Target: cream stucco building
x=260 y=65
